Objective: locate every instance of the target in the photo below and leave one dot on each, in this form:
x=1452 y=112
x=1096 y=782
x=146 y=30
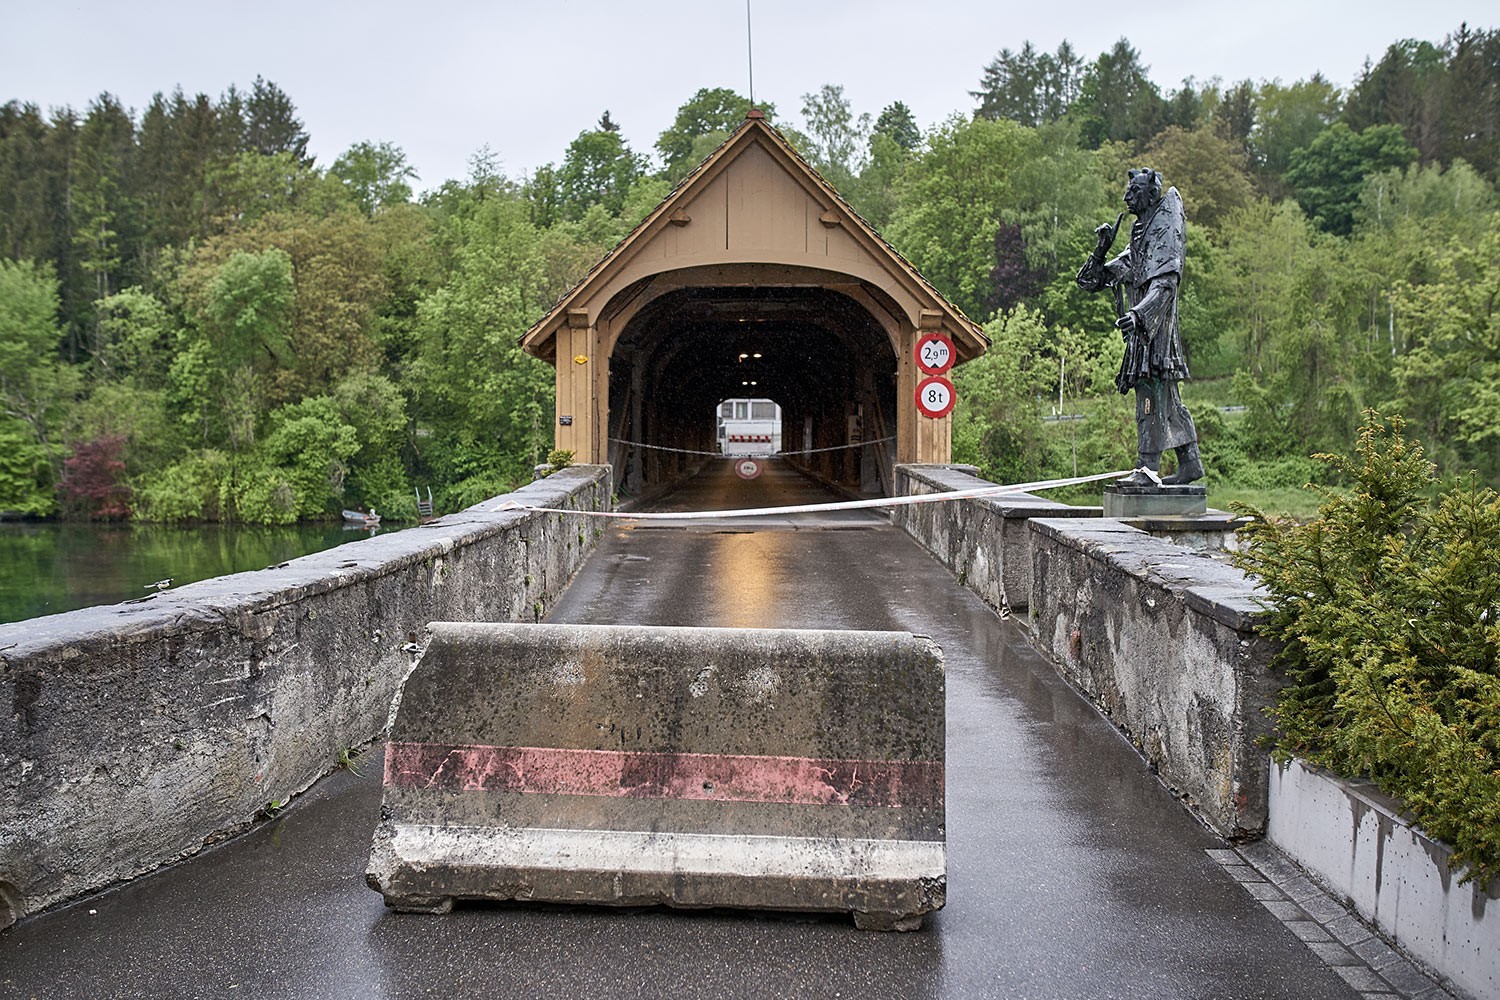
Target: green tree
x=272 y=127
x=1030 y=369
x=1234 y=117
x=1207 y=169
x=875 y=194
x=1117 y=102
x=181 y=142
x=302 y=465
x=376 y=409
x=35 y=384
x=483 y=407
x=839 y=139
x=1448 y=383
x=954 y=196
x=1456 y=200
x=340 y=284
x=1326 y=175
x=1382 y=608
x=598 y=169
x=250 y=186
x=702 y=123
x=1191 y=106
x=543 y=192
x=248 y=309
x=25 y=472
x=25 y=218
x=1029 y=87
x=246 y=323
x=1289 y=118
x=897 y=123
x=136 y=333
x=375 y=174
x=1292 y=309
x=1470 y=121
x=1404 y=89
x=893 y=142
x=103 y=224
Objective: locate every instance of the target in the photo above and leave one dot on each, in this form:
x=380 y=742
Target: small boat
x=362 y=519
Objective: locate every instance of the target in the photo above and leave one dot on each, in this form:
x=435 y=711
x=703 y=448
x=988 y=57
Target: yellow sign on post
x=581 y=359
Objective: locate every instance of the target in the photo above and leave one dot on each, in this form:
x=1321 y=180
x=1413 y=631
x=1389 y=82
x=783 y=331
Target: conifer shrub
x=1386 y=609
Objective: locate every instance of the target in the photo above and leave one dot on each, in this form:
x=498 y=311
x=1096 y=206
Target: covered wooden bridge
x=752 y=279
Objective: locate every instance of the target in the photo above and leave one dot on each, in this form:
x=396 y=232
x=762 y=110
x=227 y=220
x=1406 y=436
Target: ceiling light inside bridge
x=756 y=354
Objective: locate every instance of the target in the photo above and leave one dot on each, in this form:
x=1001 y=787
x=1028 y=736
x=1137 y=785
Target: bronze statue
x=1148 y=272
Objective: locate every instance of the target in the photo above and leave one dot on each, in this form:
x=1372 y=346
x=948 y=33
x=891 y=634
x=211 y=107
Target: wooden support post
x=919 y=438
x=579 y=407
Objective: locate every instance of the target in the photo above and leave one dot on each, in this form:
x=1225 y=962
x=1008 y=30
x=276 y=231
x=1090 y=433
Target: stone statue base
x=1151 y=501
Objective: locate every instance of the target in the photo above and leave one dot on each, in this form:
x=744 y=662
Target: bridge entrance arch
x=753 y=278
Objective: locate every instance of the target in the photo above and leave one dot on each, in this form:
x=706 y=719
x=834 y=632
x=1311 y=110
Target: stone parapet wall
x=1160 y=639
x=133 y=735
x=983 y=541
x=1155 y=634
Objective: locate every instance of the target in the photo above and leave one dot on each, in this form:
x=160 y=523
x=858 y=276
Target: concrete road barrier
x=691 y=767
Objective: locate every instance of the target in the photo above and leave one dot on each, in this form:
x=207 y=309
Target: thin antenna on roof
x=750 y=52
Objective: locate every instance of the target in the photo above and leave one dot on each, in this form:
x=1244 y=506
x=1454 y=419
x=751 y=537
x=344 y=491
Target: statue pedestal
x=1153 y=501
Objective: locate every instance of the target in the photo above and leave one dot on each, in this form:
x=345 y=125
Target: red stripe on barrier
x=891 y=784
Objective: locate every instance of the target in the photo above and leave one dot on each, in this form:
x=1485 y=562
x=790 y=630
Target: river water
x=47 y=568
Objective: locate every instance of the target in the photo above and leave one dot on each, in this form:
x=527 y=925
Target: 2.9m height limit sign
x=935 y=395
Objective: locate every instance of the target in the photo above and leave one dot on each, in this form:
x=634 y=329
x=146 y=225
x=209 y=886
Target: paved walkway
x=1072 y=873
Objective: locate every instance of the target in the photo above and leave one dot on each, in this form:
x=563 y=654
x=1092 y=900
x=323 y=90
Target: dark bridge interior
x=822 y=356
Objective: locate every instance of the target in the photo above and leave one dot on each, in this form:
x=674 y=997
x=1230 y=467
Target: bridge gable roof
x=754 y=200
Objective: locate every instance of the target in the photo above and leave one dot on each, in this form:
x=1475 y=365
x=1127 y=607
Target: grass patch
x=1280 y=501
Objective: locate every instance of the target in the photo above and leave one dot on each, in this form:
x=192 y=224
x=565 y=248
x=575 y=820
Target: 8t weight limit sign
x=935 y=397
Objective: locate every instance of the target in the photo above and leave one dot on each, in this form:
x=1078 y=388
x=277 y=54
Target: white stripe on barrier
x=671 y=852
x=818 y=508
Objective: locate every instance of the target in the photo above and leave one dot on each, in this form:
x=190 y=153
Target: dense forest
x=199 y=321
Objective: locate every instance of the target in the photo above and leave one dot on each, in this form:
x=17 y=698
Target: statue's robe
x=1154 y=362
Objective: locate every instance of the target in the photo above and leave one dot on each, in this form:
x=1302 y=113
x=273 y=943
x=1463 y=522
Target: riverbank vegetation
x=198 y=321
x=1386 y=610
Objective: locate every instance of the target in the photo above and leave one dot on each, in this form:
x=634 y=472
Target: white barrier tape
x=657 y=447
x=818 y=508
x=728 y=454
x=838 y=447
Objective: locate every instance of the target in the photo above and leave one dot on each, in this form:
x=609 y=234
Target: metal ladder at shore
x=424 y=507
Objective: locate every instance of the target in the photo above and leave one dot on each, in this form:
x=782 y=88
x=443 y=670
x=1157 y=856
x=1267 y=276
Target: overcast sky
x=440 y=79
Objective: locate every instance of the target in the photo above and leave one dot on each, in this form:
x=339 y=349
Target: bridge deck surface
x=1072 y=872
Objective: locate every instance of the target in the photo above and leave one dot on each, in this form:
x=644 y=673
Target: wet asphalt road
x=1072 y=873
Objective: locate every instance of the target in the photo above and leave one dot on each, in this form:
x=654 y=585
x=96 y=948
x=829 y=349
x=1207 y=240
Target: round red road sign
x=747 y=468
x=935 y=397
x=934 y=353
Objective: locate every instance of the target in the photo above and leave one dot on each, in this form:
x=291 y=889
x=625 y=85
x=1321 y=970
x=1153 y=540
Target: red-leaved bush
x=93 y=480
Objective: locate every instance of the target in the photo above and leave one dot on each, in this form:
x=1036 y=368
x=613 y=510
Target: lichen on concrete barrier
x=632 y=765
x=134 y=734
